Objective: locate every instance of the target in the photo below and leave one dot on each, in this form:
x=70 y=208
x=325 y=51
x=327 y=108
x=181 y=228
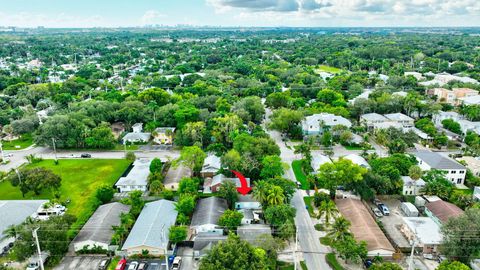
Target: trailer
x=409 y=209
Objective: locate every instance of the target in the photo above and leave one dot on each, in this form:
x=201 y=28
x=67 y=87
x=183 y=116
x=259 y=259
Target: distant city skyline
x=246 y=13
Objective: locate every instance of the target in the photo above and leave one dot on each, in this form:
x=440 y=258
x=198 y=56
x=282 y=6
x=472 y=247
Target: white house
x=371 y=119
x=137 y=178
x=440 y=116
x=404 y=120
x=472 y=100
x=412 y=187
x=315 y=124
x=455 y=172
x=137 y=135
x=211 y=165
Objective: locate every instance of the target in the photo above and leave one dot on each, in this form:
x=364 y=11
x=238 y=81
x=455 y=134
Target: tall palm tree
x=327 y=209
x=275 y=196
x=11 y=232
x=339 y=229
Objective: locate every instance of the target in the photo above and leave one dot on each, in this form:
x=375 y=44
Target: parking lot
x=152 y=264
x=80 y=262
x=393 y=222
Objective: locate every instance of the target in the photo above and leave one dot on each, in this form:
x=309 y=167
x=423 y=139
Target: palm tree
x=275 y=196
x=11 y=232
x=339 y=229
x=260 y=191
x=327 y=209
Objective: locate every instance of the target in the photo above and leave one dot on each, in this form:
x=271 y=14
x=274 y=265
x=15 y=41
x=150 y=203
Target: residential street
x=309 y=244
x=18 y=156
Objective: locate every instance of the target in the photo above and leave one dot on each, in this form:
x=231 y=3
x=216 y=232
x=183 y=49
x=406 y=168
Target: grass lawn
x=332 y=261
x=289 y=266
x=464 y=191
x=132 y=147
x=303 y=265
x=329 y=69
x=353 y=147
x=326 y=241
x=21 y=143
x=299 y=174
x=113 y=263
x=80 y=180
x=308 y=202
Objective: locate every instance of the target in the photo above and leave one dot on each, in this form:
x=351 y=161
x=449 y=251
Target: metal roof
x=437 y=161
x=153 y=225
x=14 y=212
x=99 y=226
x=444 y=210
x=208 y=211
x=426 y=230
x=138 y=175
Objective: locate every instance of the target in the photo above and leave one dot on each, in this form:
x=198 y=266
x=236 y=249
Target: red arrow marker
x=244 y=189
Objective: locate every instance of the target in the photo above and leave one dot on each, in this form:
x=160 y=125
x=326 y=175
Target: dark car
x=104 y=264
x=85 y=155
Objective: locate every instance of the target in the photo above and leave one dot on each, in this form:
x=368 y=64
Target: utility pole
x=54 y=149
x=19 y=177
x=166 y=243
x=410 y=263
x=38 y=249
x=3 y=154
x=295 y=250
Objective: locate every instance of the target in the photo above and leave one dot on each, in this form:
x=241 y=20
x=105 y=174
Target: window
x=461 y=172
x=459 y=180
x=453 y=171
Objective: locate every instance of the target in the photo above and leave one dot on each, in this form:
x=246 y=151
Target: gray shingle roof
x=147 y=231
x=437 y=161
x=251 y=232
x=14 y=212
x=208 y=211
x=99 y=226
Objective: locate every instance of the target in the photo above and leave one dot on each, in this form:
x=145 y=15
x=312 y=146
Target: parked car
x=33 y=266
x=85 y=155
x=377 y=212
x=367 y=263
x=384 y=209
x=133 y=266
x=104 y=264
x=121 y=265
x=143 y=266
x=177 y=262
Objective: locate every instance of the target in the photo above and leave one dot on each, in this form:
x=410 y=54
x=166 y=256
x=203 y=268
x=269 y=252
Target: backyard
x=80 y=179
x=329 y=69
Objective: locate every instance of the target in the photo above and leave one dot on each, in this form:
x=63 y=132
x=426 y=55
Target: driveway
x=393 y=222
x=174 y=175
x=80 y=262
x=188 y=262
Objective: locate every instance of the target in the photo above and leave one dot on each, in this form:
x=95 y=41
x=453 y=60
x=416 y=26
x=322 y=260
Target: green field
x=308 y=202
x=328 y=69
x=299 y=174
x=21 y=143
x=131 y=147
x=80 y=179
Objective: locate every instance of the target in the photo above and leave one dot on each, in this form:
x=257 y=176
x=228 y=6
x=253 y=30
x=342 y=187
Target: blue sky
x=113 y=13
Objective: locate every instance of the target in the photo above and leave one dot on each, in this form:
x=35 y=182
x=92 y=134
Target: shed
x=98 y=230
x=409 y=209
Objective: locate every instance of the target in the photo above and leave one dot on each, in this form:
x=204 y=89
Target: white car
x=33 y=266
x=377 y=212
x=177 y=262
x=133 y=266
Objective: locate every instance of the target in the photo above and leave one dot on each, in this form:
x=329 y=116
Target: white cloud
x=353 y=12
x=152 y=17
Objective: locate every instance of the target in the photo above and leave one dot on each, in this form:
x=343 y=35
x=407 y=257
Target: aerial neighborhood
x=152 y=148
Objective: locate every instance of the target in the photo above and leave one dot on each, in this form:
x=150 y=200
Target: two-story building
x=455 y=172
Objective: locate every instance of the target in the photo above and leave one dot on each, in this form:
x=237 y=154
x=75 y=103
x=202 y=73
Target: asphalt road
x=17 y=157
x=313 y=251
